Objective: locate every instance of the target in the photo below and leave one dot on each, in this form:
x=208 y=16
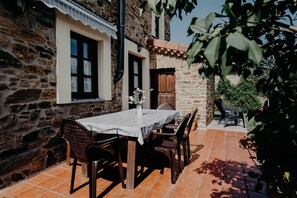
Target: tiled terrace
x=218 y=168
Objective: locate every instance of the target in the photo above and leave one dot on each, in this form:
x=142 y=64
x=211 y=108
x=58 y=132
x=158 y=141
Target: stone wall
x=191 y=90
x=29 y=116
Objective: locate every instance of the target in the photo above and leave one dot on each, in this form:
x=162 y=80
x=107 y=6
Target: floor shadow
x=232 y=175
x=193 y=153
x=110 y=174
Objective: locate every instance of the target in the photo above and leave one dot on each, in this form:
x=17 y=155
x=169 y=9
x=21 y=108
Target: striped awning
x=77 y=12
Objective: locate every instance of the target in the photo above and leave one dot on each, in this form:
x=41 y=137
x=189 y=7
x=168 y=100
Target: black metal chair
x=229 y=114
x=169 y=147
x=87 y=149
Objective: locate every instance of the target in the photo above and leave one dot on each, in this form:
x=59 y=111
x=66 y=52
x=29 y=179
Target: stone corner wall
x=30 y=137
x=191 y=90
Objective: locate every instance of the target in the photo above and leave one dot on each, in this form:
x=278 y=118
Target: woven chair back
x=78 y=136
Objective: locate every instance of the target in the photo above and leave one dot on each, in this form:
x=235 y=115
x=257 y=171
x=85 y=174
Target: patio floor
x=218 y=168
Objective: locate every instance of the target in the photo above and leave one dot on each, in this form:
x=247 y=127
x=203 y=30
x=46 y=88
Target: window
x=83 y=67
x=84 y=64
x=135 y=75
x=157 y=25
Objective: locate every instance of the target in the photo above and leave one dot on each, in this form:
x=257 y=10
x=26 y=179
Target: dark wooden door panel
x=163 y=83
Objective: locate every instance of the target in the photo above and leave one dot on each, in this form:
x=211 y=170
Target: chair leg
x=68 y=154
x=174 y=171
x=73 y=175
x=185 y=150
x=121 y=169
x=188 y=148
x=179 y=159
x=92 y=178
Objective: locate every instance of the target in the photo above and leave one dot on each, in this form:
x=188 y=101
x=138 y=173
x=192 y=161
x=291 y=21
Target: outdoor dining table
x=136 y=127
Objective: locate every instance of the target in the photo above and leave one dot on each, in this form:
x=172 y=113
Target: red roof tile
x=167 y=48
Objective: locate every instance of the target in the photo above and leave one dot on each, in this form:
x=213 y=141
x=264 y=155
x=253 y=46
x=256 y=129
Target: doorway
x=135 y=75
x=163 y=83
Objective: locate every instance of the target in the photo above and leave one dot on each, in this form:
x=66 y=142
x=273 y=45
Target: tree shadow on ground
x=230 y=178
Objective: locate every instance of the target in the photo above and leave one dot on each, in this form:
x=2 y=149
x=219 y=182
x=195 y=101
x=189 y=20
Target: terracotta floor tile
x=55 y=170
x=38 y=178
x=16 y=188
x=64 y=174
x=233 y=174
x=31 y=192
x=138 y=192
x=52 y=182
x=217 y=168
x=81 y=193
x=235 y=182
x=63 y=188
x=233 y=192
x=162 y=187
x=181 y=191
x=153 y=194
x=51 y=195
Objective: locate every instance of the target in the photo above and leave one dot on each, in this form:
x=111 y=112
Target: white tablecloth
x=128 y=123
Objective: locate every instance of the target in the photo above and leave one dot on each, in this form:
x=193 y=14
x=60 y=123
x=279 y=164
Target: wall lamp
x=139 y=47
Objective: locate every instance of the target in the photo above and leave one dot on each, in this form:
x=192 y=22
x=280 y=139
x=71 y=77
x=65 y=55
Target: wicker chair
x=88 y=150
x=169 y=147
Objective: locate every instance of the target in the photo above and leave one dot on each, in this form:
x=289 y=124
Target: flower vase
x=139 y=110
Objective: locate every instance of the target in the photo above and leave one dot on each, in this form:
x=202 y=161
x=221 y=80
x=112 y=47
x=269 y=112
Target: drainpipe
x=121 y=35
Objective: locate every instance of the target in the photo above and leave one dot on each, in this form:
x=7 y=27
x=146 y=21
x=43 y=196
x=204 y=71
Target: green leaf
x=230 y=14
x=193 y=52
x=254 y=19
x=238 y=41
x=212 y=50
x=209 y=19
x=225 y=70
x=197 y=26
x=255 y=52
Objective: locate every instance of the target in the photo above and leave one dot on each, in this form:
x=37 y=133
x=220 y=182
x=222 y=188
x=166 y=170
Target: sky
x=179 y=28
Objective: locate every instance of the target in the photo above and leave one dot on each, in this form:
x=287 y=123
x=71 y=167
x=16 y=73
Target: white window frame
x=161 y=26
x=64 y=25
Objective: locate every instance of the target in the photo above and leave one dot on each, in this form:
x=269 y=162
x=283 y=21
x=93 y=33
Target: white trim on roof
x=77 y=12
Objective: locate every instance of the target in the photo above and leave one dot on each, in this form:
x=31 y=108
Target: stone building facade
x=29 y=113
x=191 y=90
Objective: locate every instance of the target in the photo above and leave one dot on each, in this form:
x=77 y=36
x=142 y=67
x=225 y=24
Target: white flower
x=138 y=97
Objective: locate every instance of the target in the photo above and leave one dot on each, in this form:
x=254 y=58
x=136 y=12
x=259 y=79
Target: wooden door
x=163 y=83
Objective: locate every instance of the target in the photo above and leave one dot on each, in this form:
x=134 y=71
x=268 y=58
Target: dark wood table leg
x=131 y=164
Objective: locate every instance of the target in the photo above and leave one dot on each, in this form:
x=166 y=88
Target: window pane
x=85 y=50
x=136 y=82
x=87 y=68
x=73 y=47
x=73 y=65
x=73 y=84
x=87 y=85
x=135 y=64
